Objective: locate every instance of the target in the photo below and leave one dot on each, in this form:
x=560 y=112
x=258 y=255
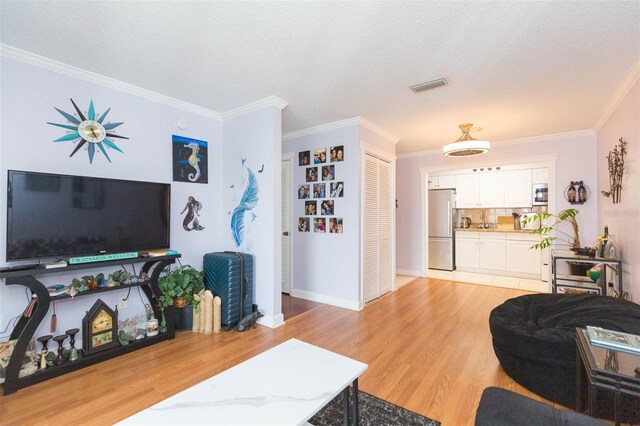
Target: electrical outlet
x=123 y=303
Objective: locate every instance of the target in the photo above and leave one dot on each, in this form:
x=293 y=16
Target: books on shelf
x=158 y=253
x=611 y=339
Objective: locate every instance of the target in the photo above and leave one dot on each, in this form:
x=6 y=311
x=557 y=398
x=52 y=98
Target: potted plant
x=562 y=237
x=178 y=287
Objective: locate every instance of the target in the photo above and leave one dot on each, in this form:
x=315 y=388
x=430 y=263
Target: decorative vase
x=152 y=327
x=610 y=250
x=183 y=318
x=180 y=302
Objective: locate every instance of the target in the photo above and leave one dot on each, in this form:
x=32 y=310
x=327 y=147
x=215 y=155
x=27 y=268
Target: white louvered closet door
x=377 y=228
x=286 y=225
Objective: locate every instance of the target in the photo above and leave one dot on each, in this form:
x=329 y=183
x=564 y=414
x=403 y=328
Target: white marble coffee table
x=285 y=385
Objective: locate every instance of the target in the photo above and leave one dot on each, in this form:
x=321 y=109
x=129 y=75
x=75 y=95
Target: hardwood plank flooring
x=293 y=306
x=428 y=348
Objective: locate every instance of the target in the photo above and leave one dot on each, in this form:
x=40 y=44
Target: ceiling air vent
x=417 y=88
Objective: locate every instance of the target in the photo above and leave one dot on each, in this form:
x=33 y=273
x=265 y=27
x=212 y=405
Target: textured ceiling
x=518 y=69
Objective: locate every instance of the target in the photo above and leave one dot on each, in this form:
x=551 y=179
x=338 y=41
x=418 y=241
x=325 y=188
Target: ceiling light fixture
x=466 y=145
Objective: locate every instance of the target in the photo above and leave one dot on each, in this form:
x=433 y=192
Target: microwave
x=540 y=194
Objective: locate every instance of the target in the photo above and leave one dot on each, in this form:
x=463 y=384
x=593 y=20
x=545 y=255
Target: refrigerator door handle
x=449 y=218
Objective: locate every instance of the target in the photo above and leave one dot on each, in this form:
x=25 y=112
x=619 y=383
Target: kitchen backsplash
x=491 y=215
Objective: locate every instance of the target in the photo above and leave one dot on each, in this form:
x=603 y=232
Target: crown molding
x=95 y=78
x=271 y=101
x=355 y=121
x=509 y=142
x=321 y=128
x=379 y=131
x=618 y=96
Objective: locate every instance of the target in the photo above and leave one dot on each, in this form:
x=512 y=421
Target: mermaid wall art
x=191 y=222
x=189 y=160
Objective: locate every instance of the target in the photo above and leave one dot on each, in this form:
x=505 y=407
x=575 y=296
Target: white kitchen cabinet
x=540 y=175
x=467 y=191
x=480 y=190
x=491 y=189
x=441 y=182
x=520 y=257
x=493 y=251
x=467 y=252
x=517 y=188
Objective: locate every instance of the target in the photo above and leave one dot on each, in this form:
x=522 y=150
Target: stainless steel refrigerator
x=441 y=241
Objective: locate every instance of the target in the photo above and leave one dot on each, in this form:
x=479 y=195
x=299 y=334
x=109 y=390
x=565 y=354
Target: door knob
x=285 y=233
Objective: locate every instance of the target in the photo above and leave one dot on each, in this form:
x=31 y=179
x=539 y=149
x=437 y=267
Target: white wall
x=623 y=218
x=29 y=94
x=255 y=137
x=576 y=161
x=327 y=267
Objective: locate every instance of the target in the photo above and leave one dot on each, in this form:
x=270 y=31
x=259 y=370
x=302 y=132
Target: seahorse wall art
x=242 y=213
x=192 y=208
x=189 y=160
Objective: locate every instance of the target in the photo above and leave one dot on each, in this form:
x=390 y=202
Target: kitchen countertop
x=520 y=231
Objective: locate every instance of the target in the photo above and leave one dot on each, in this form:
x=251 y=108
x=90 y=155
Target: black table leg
x=354 y=407
x=345 y=406
x=579 y=377
x=616 y=407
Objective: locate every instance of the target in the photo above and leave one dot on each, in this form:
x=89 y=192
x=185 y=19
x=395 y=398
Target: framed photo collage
x=321 y=190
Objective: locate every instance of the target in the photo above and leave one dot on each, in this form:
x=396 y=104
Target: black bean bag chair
x=534 y=340
x=500 y=407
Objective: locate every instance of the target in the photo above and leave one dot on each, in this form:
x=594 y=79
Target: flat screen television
x=60 y=216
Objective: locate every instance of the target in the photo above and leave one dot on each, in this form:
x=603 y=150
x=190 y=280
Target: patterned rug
x=373 y=412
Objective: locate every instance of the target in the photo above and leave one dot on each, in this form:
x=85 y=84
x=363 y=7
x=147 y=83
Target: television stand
x=26 y=327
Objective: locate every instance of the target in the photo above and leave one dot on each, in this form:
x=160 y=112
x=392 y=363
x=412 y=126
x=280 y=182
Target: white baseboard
x=408 y=272
x=272 y=321
x=354 y=305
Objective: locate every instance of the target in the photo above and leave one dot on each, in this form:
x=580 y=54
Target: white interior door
x=377 y=228
x=286 y=225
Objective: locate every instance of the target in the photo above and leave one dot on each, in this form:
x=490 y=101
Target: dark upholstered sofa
x=500 y=407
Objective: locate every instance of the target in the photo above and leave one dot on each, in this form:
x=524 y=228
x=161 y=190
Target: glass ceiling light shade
x=466 y=145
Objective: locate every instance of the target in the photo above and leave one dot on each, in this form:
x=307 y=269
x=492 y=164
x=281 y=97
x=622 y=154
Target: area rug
x=373 y=412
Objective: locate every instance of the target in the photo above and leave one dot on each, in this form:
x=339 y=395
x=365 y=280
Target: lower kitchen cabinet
x=502 y=253
x=467 y=252
x=493 y=253
x=522 y=258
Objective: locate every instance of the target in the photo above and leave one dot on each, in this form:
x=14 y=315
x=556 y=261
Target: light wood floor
x=294 y=306
x=428 y=348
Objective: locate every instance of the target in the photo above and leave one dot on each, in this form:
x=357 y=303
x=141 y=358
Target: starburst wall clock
x=89 y=130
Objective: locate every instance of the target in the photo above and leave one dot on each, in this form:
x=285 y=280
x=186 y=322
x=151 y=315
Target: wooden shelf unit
x=26 y=327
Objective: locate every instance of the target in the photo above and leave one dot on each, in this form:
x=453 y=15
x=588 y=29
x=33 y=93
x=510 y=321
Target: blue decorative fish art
x=247 y=203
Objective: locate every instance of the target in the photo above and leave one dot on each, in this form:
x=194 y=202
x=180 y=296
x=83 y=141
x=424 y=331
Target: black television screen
x=56 y=216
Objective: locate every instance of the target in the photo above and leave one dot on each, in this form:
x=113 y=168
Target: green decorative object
x=568 y=215
x=90 y=129
x=102 y=257
x=182 y=282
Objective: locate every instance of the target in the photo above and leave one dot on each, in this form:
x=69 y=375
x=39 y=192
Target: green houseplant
x=562 y=237
x=178 y=287
x=568 y=215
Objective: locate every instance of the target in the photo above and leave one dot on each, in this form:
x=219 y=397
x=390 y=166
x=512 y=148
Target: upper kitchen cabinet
x=467 y=191
x=541 y=175
x=491 y=189
x=517 y=188
x=442 y=182
x=494 y=189
x=480 y=190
